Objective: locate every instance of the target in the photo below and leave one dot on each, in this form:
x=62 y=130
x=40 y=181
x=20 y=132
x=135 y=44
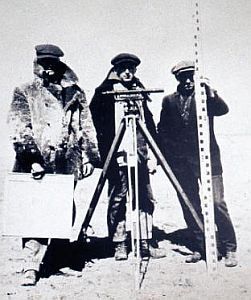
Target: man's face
x=186 y=80
x=52 y=68
x=126 y=72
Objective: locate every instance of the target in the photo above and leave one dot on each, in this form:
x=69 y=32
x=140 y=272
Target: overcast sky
x=160 y=32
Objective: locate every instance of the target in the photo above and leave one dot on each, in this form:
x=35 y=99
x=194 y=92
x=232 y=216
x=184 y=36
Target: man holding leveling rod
x=179 y=143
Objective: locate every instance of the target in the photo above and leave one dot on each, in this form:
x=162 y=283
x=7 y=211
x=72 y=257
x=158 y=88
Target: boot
x=147 y=250
x=194 y=258
x=120 y=251
x=230 y=259
x=30 y=278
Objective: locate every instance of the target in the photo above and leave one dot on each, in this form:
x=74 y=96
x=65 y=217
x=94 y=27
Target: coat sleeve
x=89 y=145
x=216 y=106
x=19 y=117
x=102 y=110
x=163 y=126
x=96 y=106
x=150 y=124
x=21 y=134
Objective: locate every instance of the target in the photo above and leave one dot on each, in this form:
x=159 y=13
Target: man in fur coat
x=52 y=132
x=107 y=114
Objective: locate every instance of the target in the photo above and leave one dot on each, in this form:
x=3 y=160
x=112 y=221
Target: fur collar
x=69 y=77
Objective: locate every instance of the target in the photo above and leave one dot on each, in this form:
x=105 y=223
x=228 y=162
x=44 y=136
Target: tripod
x=131 y=124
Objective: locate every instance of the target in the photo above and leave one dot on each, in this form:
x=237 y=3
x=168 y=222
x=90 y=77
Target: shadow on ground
x=62 y=253
x=75 y=255
x=180 y=237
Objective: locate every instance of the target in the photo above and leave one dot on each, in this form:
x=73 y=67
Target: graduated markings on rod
x=204 y=152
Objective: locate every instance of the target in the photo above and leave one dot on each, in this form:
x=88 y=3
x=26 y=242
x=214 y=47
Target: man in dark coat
x=107 y=114
x=179 y=142
x=52 y=132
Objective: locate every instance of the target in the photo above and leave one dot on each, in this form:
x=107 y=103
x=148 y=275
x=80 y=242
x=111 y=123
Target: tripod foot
x=83 y=238
x=120 y=251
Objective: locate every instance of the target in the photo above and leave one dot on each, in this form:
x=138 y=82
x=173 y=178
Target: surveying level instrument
x=129 y=126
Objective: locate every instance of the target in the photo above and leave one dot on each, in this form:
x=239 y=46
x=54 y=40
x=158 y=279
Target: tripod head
x=131 y=97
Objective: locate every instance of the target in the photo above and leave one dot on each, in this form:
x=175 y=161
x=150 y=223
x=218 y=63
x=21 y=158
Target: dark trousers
x=117 y=191
x=225 y=229
x=226 y=238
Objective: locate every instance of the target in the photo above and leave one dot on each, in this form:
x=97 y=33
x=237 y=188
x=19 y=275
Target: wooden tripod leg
x=133 y=191
x=102 y=179
x=155 y=149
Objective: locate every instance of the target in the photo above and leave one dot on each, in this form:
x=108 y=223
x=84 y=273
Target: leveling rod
x=207 y=201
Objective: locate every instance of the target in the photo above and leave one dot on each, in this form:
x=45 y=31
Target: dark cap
x=183 y=66
x=125 y=58
x=48 y=50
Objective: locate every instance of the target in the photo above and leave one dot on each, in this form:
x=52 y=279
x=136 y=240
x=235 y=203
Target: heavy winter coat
x=103 y=113
x=51 y=124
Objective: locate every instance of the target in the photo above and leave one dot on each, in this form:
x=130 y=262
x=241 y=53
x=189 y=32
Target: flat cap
x=183 y=66
x=125 y=58
x=48 y=50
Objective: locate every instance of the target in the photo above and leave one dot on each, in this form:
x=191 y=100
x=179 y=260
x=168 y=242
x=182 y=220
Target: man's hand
x=87 y=170
x=205 y=81
x=37 y=171
x=209 y=90
x=152 y=166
